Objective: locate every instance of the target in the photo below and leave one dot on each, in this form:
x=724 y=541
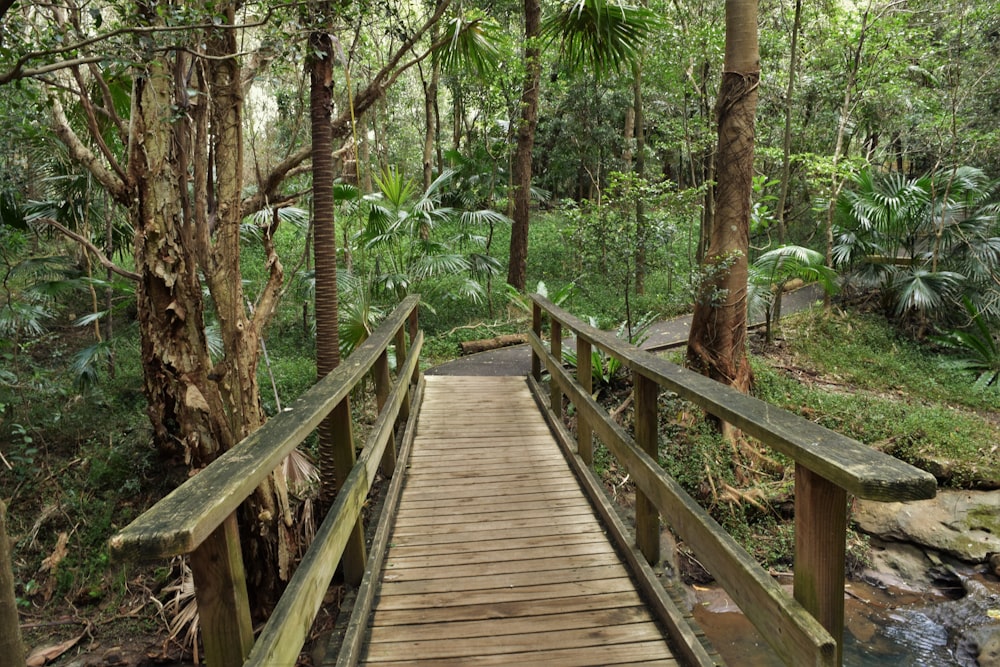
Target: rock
x=989 y=650
x=898 y=565
x=964 y=524
x=995 y=564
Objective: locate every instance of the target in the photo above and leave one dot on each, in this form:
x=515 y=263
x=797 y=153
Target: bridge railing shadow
x=198 y=518
x=806 y=629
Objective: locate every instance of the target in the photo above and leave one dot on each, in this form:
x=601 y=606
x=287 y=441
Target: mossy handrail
x=806 y=630
x=199 y=517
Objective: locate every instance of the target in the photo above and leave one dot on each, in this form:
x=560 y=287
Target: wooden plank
x=647 y=437
x=482 y=537
x=499 y=627
x=221 y=591
x=489 y=547
x=849 y=464
x=586 y=548
x=554 y=640
x=181 y=521
x=479 y=582
x=507 y=609
x=820 y=551
x=625 y=654
x=503 y=594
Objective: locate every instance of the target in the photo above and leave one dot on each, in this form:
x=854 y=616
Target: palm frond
x=600 y=34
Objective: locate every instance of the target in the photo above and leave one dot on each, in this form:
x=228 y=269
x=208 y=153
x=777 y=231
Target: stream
x=884 y=626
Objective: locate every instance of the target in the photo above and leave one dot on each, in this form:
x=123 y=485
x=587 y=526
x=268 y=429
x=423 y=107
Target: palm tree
x=598 y=34
x=772 y=271
x=923 y=242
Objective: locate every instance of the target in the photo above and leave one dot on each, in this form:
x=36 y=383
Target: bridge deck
x=496 y=555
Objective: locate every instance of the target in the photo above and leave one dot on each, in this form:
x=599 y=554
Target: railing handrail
x=828 y=465
x=198 y=517
x=852 y=465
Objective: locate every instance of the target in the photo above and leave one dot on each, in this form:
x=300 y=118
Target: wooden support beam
x=343 y=461
x=555 y=345
x=536 y=326
x=404 y=412
x=584 y=375
x=221 y=590
x=383 y=385
x=820 y=550
x=647 y=517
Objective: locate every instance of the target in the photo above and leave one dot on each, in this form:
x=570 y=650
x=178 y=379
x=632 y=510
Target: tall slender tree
x=717 y=340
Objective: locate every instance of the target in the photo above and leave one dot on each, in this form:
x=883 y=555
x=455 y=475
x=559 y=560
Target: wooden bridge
x=496 y=544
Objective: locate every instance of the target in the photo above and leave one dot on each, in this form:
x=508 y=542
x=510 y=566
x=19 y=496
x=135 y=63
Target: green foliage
x=770 y=272
x=979 y=347
x=600 y=34
x=924 y=242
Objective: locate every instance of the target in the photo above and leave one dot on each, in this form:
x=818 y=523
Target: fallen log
x=486 y=344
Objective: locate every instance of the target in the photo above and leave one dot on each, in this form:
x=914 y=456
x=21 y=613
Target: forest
x=207 y=205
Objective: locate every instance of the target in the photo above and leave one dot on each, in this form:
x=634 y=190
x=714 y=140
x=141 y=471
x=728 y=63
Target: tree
x=10 y=629
x=152 y=108
x=521 y=167
x=717 y=341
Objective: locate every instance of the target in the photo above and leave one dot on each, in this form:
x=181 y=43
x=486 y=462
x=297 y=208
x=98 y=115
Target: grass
x=885 y=391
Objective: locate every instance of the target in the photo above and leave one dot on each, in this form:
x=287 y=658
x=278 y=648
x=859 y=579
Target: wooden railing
x=199 y=517
x=806 y=630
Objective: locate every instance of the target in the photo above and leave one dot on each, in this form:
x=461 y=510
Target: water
x=884 y=628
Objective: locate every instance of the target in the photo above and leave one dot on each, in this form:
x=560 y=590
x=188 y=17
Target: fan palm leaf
x=599 y=34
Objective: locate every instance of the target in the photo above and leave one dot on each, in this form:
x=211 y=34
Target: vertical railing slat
x=647 y=518
x=555 y=345
x=221 y=591
x=584 y=375
x=820 y=550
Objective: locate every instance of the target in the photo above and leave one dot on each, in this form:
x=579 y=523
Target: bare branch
x=116 y=187
x=93 y=249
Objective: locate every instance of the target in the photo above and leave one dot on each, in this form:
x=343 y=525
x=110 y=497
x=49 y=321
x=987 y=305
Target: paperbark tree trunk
x=717 y=341
x=11 y=646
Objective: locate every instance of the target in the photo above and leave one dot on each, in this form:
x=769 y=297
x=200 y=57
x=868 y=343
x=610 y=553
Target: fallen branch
x=486 y=344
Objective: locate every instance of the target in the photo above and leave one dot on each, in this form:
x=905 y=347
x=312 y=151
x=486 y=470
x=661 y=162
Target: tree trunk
x=521 y=172
x=187 y=212
x=641 y=228
x=717 y=341
x=11 y=646
x=786 y=169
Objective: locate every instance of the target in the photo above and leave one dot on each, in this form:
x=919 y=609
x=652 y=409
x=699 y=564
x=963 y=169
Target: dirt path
x=662 y=335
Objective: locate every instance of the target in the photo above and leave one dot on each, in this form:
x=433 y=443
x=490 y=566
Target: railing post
x=383 y=387
x=820 y=550
x=220 y=588
x=404 y=409
x=555 y=345
x=584 y=375
x=414 y=321
x=647 y=517
x=536 y=326
x=343 y=462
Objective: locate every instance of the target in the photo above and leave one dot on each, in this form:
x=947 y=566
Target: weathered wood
x=795 y=635
x=820 y=550
x=404 y=412
x=11 y=646
x=344 y=458
x=536 y=327
x=383 y=385
x=221 y=590
x=647 y=437
x=555 y=343
x=282 y=638
x=351 y=645
x=673 y=619
x=849 y=464
x=181 y=521
x=483 y=540
x=585 y=376
x=495 y=343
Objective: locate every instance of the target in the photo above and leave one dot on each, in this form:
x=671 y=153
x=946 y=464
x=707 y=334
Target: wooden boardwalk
x=496 y=557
